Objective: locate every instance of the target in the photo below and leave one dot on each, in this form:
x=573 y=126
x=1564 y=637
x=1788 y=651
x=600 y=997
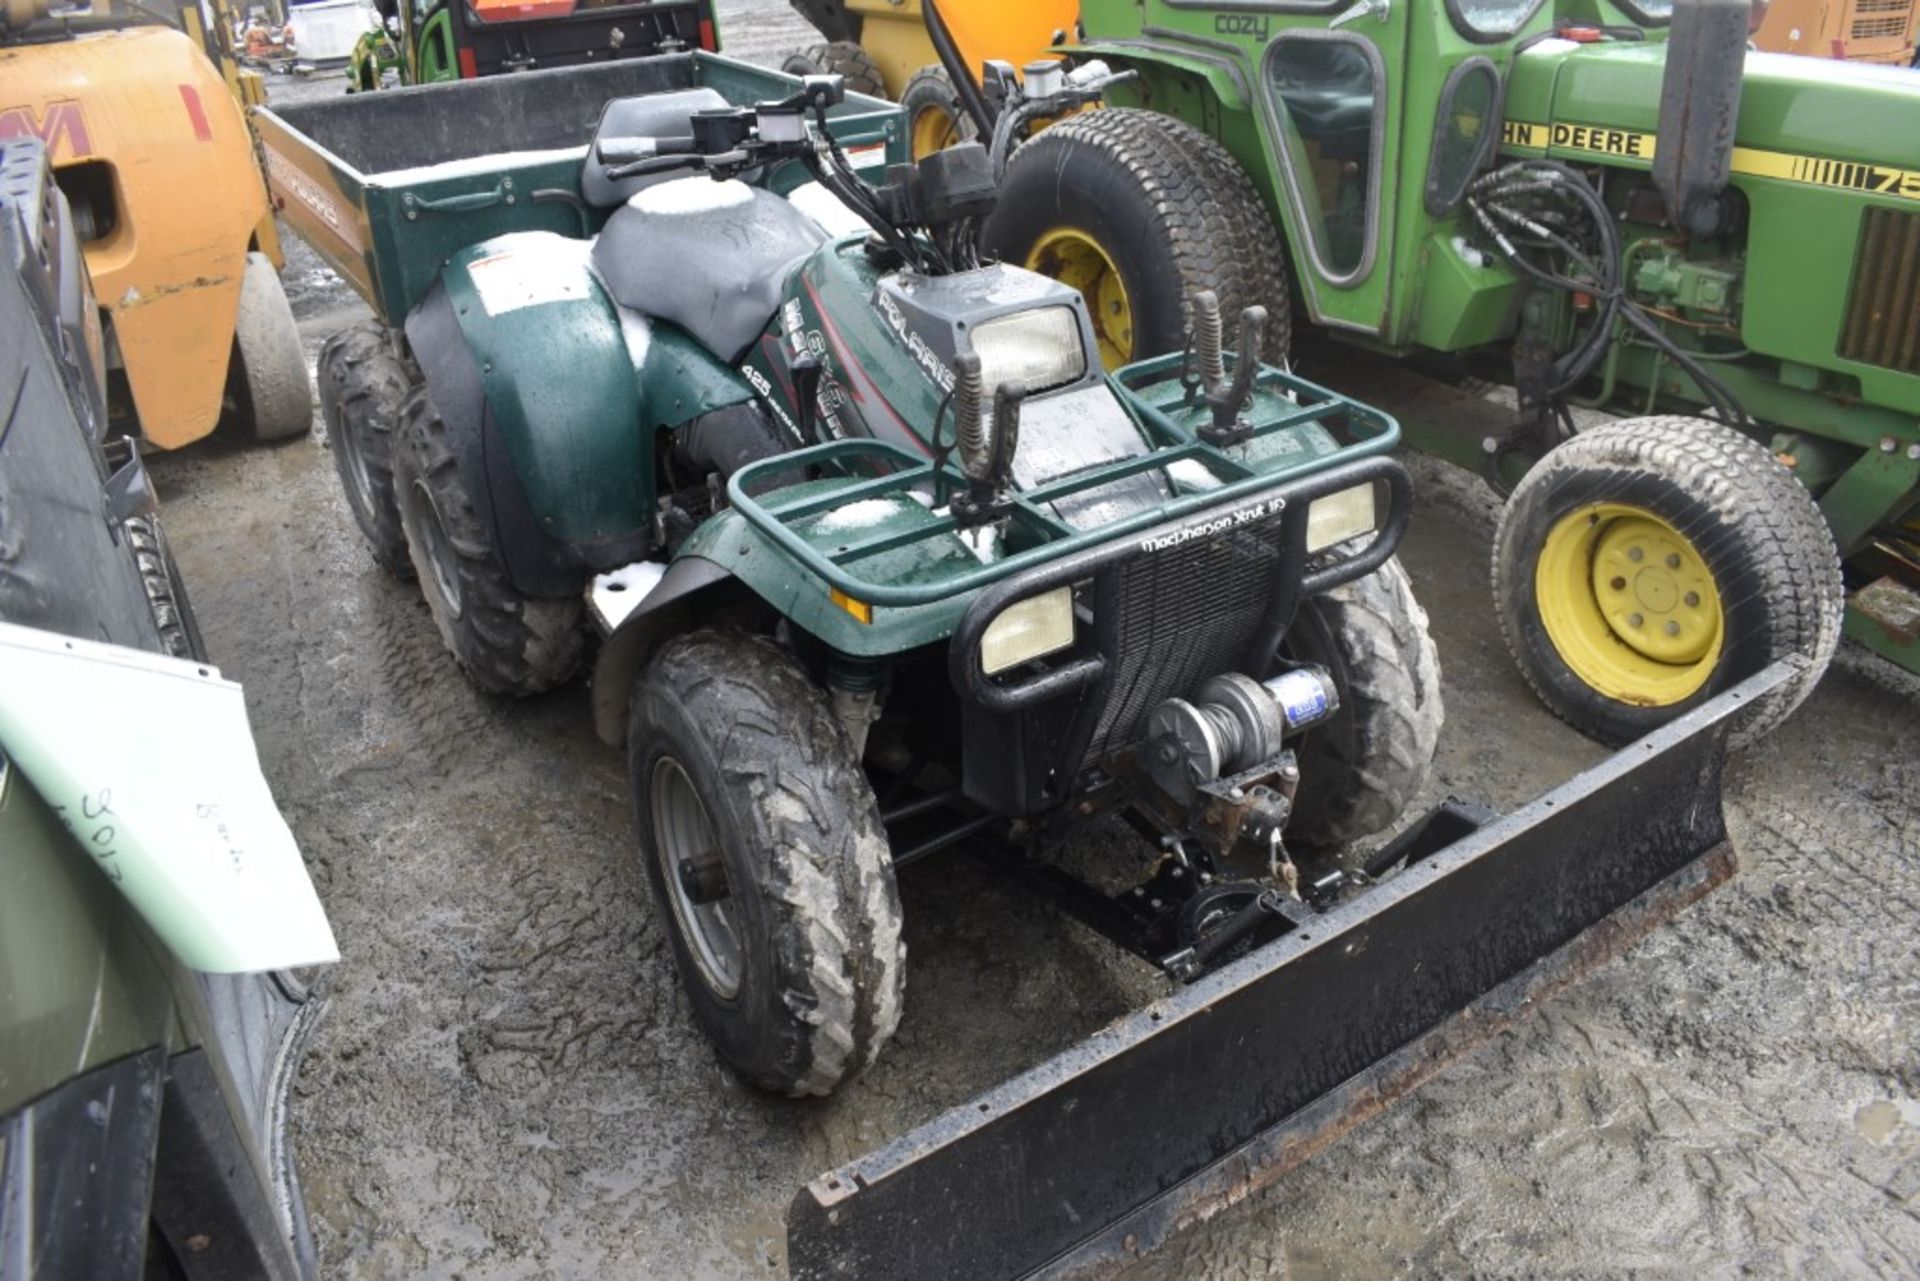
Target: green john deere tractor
x=1612 y=206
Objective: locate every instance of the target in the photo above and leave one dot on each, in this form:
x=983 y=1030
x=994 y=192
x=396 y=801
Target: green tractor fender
x=553 y=400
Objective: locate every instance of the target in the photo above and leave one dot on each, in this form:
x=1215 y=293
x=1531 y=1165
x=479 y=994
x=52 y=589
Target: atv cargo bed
x=1170 y=1114
x=387 y=186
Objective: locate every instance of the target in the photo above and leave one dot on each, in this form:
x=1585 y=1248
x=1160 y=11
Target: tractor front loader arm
x=1161 y=1119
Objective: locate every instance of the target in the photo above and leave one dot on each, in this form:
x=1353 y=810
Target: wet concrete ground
x=508 y=1085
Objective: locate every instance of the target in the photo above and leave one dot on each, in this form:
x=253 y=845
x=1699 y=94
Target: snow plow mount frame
x=1269 y=1059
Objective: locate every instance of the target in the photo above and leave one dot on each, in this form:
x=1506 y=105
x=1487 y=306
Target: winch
x=1233 y=724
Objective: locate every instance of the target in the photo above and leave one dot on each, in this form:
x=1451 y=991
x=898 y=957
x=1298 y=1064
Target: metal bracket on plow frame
x=1161 y=1119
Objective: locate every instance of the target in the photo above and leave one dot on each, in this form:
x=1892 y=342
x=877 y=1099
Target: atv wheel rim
x=348 y=443
x=1075 y=258
x=1629 y=604
x=934 y=129
x=682 y=834
x=424 y=528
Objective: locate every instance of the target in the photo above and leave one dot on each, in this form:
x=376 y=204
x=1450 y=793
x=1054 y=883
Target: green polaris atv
x=881 y=563
x=889 y=522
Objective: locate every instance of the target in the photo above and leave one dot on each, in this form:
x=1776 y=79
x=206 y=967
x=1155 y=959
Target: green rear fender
x=575 y=392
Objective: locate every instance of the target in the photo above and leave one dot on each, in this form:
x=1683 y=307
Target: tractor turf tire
x=363 y=384
x=1762 y=537
x=1360 y=770
x=821 y=966
x=931 y=91
x=166 y=592
x=839 y=58
x=1168 y=205
x=267 y=377
x=505 y=642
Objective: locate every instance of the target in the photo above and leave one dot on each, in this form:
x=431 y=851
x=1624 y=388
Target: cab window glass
x=1463 y=132
x=1485 y=20
x=1649 y=13
x=1327 y=95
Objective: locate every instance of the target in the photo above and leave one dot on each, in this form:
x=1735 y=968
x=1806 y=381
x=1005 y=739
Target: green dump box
x=387 y=186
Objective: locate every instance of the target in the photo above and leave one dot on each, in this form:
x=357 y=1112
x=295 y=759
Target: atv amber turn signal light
x=1028 y=629
x=861 y=611
x=1339 y=516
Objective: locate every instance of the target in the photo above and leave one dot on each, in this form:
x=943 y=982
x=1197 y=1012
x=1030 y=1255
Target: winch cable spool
x=1235 y=722
x=1523 y=207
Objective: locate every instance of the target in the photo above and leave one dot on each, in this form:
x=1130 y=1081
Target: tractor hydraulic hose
x=965 y=87
x=1547 y=179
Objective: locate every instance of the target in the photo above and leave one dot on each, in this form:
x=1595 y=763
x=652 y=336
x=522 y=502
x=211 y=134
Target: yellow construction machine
x=152 y=152
x=890 y=48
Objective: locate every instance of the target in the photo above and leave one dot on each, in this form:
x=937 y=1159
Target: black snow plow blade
x=1160 y=1120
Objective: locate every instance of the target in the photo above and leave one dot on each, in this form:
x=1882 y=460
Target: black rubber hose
x=965 y=87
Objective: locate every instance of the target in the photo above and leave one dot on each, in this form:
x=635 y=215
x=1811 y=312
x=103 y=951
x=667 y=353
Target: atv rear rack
x=1283 y=403
x=1170 y=1114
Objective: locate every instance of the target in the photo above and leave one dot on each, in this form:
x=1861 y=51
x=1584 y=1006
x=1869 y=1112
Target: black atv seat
x=710 y=257
x=652 y=115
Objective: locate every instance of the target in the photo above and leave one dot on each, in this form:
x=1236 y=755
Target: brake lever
x=658 y=164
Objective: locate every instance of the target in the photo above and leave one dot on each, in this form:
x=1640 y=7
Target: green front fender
x=576 y=392
x=725 y=566
x=729 y=542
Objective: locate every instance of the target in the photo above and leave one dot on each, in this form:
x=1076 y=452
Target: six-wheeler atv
x=885 y=564
x=428 y=41
x=1718 y=247
x=155 y=159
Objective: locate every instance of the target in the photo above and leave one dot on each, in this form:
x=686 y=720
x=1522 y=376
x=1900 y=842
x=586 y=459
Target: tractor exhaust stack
x=1699 y=109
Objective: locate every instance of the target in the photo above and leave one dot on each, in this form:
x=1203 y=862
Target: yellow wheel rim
x=1629 y=604
x=1075 y=258
x=933 y=129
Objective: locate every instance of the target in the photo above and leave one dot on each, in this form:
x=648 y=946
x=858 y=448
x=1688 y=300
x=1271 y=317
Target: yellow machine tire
x=267 y=377
x=1648 y=564
x=1140 y=211
x=842 y=58
x=935 y=118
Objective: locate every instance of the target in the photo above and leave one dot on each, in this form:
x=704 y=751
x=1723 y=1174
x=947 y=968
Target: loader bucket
x=1161 y=1119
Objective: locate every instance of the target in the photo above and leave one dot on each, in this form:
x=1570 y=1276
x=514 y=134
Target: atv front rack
x=1160 y=1120
x=1152 y=390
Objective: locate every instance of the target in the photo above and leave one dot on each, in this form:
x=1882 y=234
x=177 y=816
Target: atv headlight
x=1339 y=516
x=1027 y=629
x=1036 y=350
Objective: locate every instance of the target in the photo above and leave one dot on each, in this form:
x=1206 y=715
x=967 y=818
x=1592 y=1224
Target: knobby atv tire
x=1768 y=548
x=808 y=868
x=363 y=384
x=930 y=91
x=841 y=58
x=1170 y=207
x=1360 y=770
x=507 y=643
x=267 y=376
x=173 y=616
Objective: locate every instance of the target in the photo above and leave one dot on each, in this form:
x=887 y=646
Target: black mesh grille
x=1186 y=613
x=1883 y=311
